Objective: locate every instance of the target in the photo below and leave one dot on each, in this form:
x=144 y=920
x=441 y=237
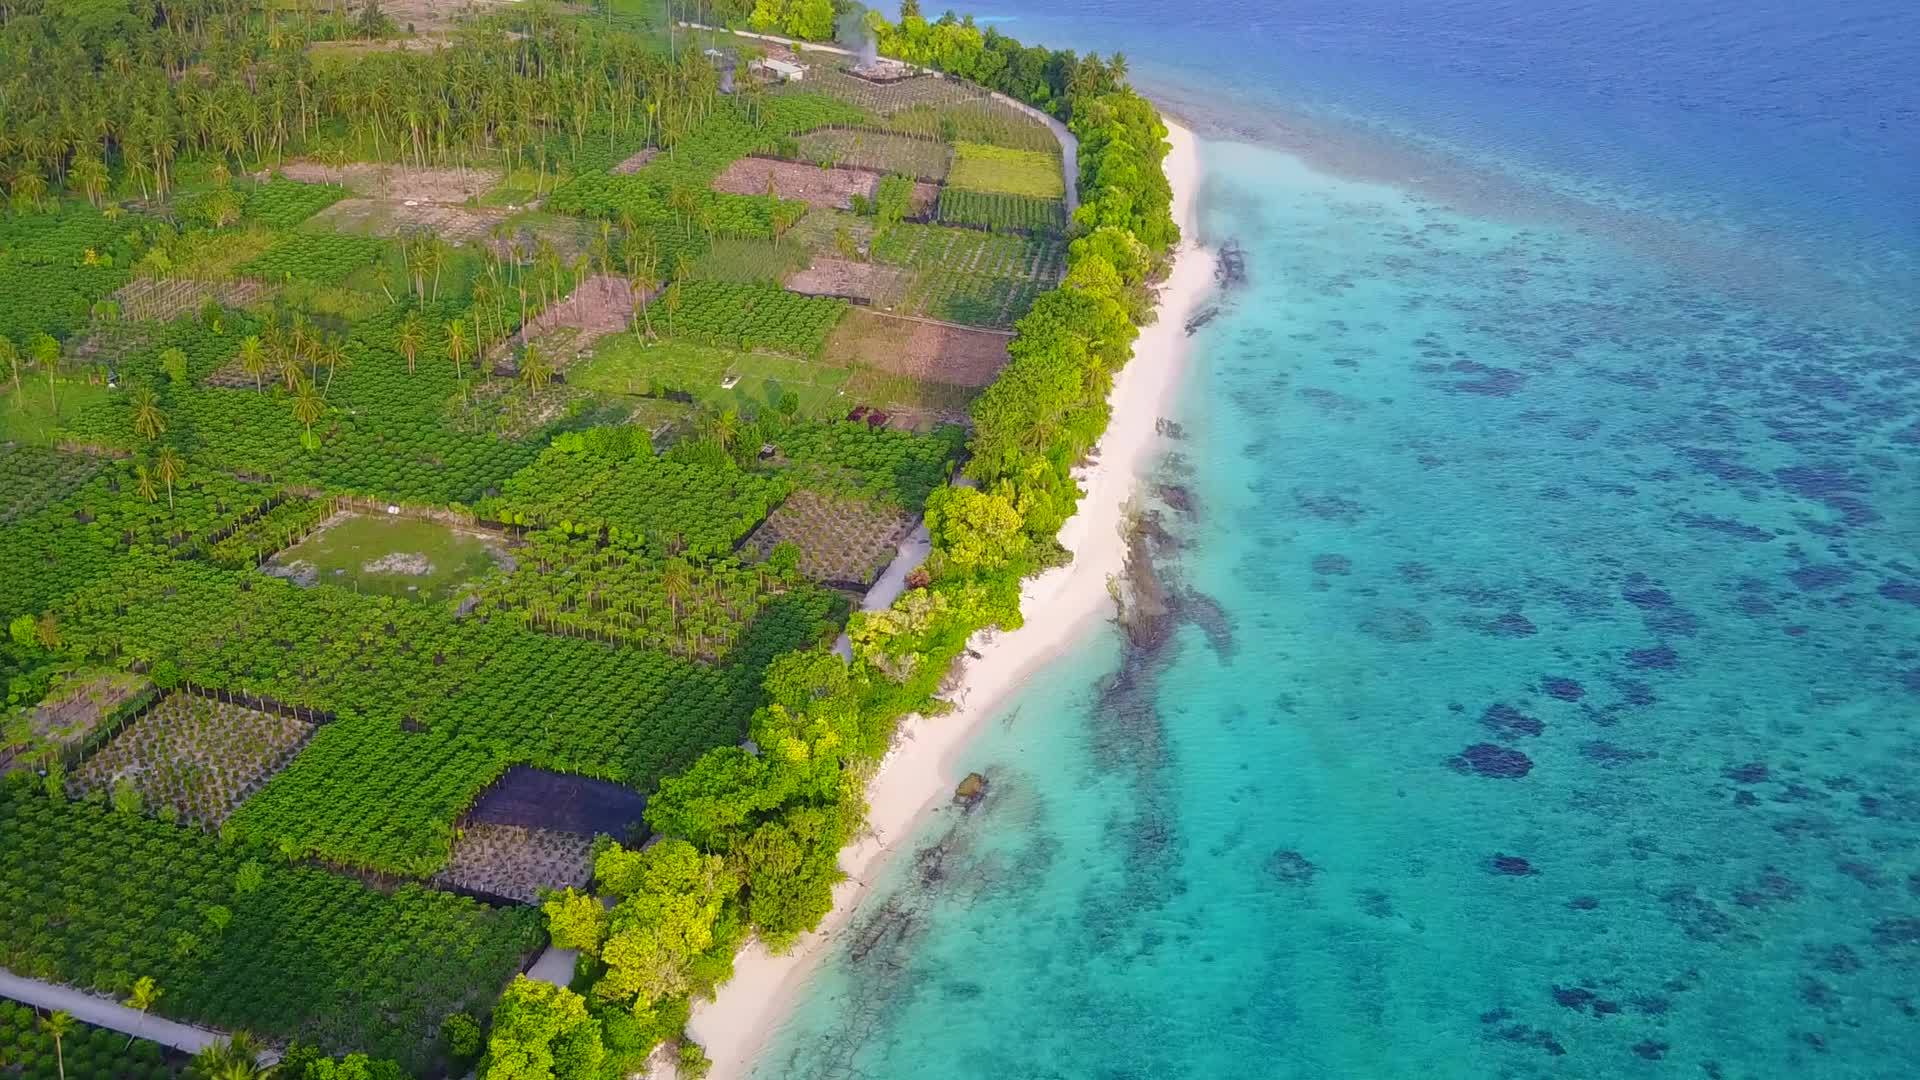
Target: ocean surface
x=1545 y=520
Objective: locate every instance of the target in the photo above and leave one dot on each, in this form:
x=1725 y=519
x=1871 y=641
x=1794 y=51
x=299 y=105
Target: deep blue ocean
x=1545 y=517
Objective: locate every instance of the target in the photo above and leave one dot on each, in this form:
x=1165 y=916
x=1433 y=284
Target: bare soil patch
x=601 y=305
x=961 y=356
x=401 y=182
x=391 y=217
x=831 y=189
x=161 y=300
x=635 y=163
x=843 y=542
x=514 y=862
x=874 y=283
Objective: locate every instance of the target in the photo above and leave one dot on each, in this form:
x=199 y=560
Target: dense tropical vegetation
x=201 y=363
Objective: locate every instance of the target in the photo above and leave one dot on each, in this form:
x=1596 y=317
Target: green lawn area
x=625 y=365
x=28 y=417
x=978 y=167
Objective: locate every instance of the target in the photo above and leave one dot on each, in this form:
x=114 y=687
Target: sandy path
x=919 y=773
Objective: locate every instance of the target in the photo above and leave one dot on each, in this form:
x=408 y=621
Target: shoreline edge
x=736 y=1026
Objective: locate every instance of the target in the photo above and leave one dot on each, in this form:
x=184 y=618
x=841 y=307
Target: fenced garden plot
x=918 y=349
x=884 y=98
x=194 y=757
x=865 y=282
x=878 y=150
x=165 y=299
x=982 y=120
x=1001 y=212
x=972 y=277
x=75 y=717
x=748 y=317
x=844 y=541
x=562 y=802
x=513 y=862
x=239 y=938
x=654 y=374
x=817 y=186
x=983 y=167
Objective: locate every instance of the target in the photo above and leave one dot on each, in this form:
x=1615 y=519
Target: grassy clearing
x=978 y=167
x=625 y=365
x=29 y=417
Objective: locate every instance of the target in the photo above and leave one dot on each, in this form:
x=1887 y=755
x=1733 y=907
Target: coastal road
x=108 y=1013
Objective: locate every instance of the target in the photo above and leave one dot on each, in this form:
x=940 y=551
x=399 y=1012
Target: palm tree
x=148 y=422
x=334 y=353
x=413 y=331
x=253 y=359
x=535 y=369
x=143 y=482
x=457 y=351
x=46 y=354
x=145 y=993
x=169 y=467
x=57 y=1025
x=308 y=407
x=676 y=579
x=10 y=356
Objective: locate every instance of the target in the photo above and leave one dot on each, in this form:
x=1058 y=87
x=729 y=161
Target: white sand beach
x=919 y=774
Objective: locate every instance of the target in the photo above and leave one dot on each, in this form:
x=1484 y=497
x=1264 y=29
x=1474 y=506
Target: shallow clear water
x=1549 y=701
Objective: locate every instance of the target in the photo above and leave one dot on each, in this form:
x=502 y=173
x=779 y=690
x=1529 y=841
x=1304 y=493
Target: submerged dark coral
x=1649 y=1049
x=1658 y=657
x=1607 y=755
x=1289 y=867
x=1508 y=722
x=1512 y=865
x=1563 y=688
x=1510 y=625
x=1753 y=772
x=1487 y=759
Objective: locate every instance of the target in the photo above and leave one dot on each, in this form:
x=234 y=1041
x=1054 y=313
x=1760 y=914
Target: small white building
x=782 y=70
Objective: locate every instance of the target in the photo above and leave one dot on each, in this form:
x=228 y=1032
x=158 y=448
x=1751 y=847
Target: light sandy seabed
x=919 y=774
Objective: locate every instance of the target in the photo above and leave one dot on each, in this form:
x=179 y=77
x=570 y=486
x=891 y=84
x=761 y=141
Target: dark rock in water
x=1511 y=865
x=1753 y=772
x=1486 y=759
x=1772 y=887
x=970 y=791
x=1508 y=722
x=1652 y=1051
x=1658 y=657
x=1838 y=959
x=1332 y=564
x=1201 y=318
x=1230 y=266
x=1511 y=625
x=1635 y=693
x=1902 y=931
x=1178 y=497
x=1564 y=689
x=1584 y=903
x=1644 y=596
x=1905 y=591
x=1577 y=998
x=1861 y=872
x=1289 y=867
x=1696 y=916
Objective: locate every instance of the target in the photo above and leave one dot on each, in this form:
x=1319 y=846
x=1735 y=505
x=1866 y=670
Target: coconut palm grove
x=447 y=455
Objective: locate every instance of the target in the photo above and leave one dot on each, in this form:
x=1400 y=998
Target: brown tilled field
x=389 y=217
x=602 y=304
x=961 y=356
x=875 y=283
x=829 y=189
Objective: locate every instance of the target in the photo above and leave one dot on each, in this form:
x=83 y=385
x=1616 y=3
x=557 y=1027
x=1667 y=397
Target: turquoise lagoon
x=1547 y=698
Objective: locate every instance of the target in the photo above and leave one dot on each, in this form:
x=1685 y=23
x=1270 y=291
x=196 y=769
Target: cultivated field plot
x=391 y=217
x=161 y=300
x=983 y=120
x=32 y=477
x=199 y=755
x=399 y=182
x=514 y=862
x=972 y=277
x=874 y=283
x=560 y=802
x=958 y=356
x=844 y=542
x=979 y=167
x=748 y=258
x=999 y=211
x=884 y=99
x=831 y=189
x=716 y=377
x=882 y=151
x=69 y=715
